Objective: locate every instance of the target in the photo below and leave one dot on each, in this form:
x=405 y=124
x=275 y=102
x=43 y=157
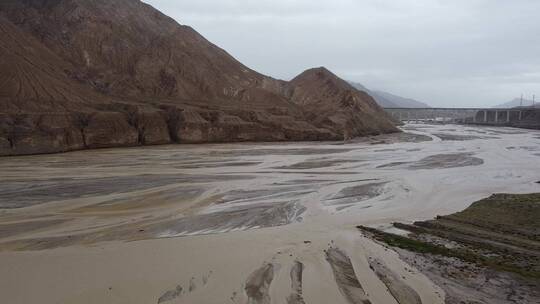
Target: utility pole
x=533 y=99
x=521 y=100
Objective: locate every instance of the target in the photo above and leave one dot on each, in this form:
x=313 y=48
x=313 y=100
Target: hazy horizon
x=462 y=53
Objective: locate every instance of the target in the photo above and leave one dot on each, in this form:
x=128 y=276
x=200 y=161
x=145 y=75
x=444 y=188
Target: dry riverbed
x=251 y=223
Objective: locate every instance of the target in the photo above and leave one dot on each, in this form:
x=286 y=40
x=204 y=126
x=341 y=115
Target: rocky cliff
x=78 y=74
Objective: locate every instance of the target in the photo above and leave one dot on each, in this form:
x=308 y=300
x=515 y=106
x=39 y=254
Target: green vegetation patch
x=406 y=243
x=517 y=214
x=501 y=232
x=465 y=255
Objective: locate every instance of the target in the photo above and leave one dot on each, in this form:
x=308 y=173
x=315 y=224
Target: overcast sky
x=445 y=53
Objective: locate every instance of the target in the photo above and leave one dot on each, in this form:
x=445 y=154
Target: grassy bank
x=501 y=232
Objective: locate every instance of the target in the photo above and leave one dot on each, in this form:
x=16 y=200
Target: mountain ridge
x=389 y=100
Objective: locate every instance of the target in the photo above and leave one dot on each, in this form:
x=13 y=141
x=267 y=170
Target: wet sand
x=397 y=286
x=438 y=161
x=296 y=296
x=447 y=136
x=232 y=223
x=345 y=277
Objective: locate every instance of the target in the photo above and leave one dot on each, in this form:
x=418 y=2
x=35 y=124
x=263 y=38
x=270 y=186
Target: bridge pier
x=460 y=115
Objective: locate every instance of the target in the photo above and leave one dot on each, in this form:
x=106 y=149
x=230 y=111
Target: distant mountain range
x=516 y=102
x=387 y=100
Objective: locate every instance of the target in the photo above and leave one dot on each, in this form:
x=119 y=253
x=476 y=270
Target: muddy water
x=232 y=222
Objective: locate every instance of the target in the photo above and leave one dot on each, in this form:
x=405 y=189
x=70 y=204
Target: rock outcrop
x=78 y=74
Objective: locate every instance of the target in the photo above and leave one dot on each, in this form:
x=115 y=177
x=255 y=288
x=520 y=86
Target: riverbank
x=487 y=253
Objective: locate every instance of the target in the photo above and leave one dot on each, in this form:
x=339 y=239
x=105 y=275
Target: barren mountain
x=127 y=48
x=100 y=73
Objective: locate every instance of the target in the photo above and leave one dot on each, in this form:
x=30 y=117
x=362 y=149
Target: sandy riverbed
x=242 y=223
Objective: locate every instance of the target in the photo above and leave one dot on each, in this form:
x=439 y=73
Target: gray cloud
x=447 y=53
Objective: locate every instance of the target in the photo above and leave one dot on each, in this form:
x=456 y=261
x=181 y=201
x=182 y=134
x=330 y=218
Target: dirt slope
x=33 y=78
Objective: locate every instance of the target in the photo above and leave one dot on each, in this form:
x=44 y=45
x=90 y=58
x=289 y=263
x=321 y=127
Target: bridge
x=521 y=117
